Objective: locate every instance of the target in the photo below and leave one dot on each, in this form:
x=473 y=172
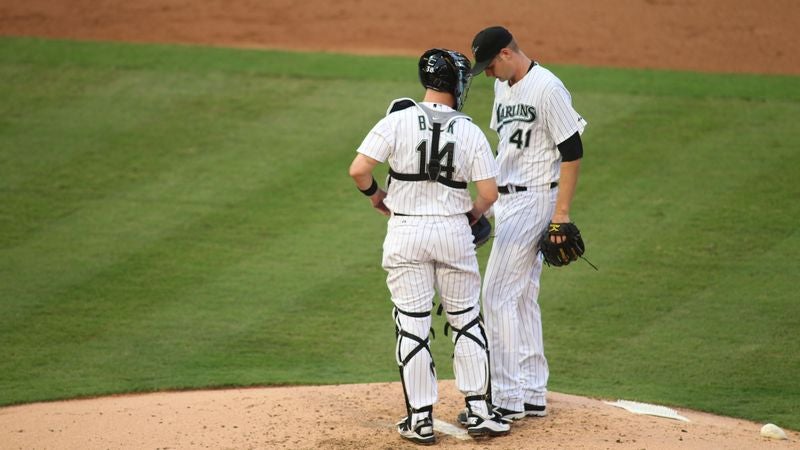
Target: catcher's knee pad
x=412 y=330
x=467 y=324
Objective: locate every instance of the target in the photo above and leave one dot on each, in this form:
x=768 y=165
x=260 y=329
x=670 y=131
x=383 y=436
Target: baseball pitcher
x=538 y=153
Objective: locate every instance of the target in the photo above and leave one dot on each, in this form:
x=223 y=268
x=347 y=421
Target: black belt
x=510 y=188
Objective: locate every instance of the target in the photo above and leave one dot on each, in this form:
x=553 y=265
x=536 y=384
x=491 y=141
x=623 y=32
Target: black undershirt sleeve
x=572 y=148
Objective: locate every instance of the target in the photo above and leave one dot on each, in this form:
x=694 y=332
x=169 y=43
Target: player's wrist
x=371 y=190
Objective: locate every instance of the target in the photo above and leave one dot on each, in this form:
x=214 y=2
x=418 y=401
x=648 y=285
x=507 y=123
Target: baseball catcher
x=561 y=244
x=434 y=151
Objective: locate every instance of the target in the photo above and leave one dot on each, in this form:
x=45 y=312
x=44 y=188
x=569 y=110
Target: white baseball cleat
x=478 y=425
x=422 y=433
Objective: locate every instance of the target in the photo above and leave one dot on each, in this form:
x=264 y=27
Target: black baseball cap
x=487 y=44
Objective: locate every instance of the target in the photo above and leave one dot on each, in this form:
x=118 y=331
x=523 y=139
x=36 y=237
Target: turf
x=181 y=217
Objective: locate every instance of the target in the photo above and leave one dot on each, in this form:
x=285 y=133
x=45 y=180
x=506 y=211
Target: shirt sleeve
x=379 y=142
x=560 y=117
x=483 y=164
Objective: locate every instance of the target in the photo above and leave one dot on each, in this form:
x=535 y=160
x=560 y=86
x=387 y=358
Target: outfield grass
x=181 y=217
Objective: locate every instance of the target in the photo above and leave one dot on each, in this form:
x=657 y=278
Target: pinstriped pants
x=510 y=295
x=424 y=254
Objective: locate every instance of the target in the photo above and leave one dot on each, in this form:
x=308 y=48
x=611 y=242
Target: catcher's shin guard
x=470 y=356
x=414 y=358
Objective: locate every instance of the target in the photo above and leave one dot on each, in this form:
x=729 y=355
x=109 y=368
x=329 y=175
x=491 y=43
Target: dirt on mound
x=704 y=35
x=358 y=416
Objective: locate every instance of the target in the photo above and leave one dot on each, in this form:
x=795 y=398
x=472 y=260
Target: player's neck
x=522 y=65
x=443 y=98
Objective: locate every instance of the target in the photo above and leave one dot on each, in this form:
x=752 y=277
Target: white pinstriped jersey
x=531 y=118
x=403 y=139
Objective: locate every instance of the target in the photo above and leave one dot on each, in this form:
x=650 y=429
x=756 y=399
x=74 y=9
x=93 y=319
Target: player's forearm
x=361 y=171
x=566 y=190
x=363 y=181
x=486 y=196
x=480 y=206
x=362 y=176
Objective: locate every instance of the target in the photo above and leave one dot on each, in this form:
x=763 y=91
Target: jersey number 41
x=516 y=138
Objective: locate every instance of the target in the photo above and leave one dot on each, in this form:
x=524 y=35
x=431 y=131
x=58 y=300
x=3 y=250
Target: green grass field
x=181 y=217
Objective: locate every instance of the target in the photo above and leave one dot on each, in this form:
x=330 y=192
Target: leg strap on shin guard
x=464 y=331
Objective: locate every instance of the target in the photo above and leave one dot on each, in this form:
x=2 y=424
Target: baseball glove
x=569 y=249
x=481 y=229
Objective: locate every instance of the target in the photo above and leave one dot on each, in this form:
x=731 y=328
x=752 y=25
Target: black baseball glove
x=481 y=229
x=569 y=249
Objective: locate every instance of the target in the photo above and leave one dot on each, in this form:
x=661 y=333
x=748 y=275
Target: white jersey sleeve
x=379 y=142
x=483 y=164
x=560 y=117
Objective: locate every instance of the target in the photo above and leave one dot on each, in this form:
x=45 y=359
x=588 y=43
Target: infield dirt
x=735 y=36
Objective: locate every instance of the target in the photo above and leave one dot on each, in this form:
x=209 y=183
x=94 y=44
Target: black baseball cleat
x=508 y=414
x=535 y=410
x=422 y=433
x=480 y=426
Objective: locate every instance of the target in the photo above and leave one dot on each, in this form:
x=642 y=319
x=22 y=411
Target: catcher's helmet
x=446 y=71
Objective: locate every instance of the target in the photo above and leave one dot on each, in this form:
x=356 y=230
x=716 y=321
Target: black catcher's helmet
x=446 y=71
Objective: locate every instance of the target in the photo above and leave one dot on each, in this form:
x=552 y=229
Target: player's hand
x=562 y=251
x=377 y=202
x=559 y=218
x=472 y=217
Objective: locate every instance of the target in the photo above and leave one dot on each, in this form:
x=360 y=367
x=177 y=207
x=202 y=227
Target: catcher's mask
x=446 y=71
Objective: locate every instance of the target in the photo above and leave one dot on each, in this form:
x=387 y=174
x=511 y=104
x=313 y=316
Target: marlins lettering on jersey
x=512 y=113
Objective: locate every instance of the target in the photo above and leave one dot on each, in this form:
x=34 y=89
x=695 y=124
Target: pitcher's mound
x=357 y=416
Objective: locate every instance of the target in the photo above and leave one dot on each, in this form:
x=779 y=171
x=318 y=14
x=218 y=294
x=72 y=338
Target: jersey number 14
x=445 y=159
